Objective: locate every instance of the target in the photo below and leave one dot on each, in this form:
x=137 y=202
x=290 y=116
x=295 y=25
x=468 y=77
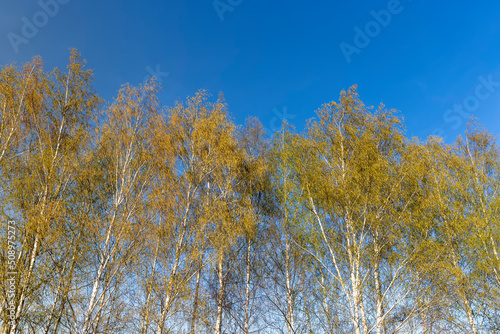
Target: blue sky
x=435 y=61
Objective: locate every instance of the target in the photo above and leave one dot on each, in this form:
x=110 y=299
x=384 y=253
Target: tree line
x=132 y=217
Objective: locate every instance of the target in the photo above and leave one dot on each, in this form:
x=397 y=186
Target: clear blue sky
x=432 y=60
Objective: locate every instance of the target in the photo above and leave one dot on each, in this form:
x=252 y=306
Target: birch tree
x=54 y=113
x=117 y=220
x=359 y=188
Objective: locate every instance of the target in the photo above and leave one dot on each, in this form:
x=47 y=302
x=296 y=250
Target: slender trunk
x=97 y=320
x=353 y=263
x=355 y=301
x=59 y=315
x=470 y=316
x=380 y=312
x=289 y=292
x=247 y=290
x=196 y=297
x=95 y=288
x=220 y=296
x=380 y=327
x=362 y=311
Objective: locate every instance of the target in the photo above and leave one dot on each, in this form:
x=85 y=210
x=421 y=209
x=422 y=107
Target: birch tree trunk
x=246 y=325
x=194 y=315
x=288 y=284
x=220 y=295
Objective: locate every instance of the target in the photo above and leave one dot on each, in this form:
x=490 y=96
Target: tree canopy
x=133 y=217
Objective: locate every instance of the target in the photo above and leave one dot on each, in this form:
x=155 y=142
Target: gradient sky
x=435 y=61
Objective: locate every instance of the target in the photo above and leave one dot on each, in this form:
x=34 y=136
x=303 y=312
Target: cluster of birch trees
x=136 y=218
